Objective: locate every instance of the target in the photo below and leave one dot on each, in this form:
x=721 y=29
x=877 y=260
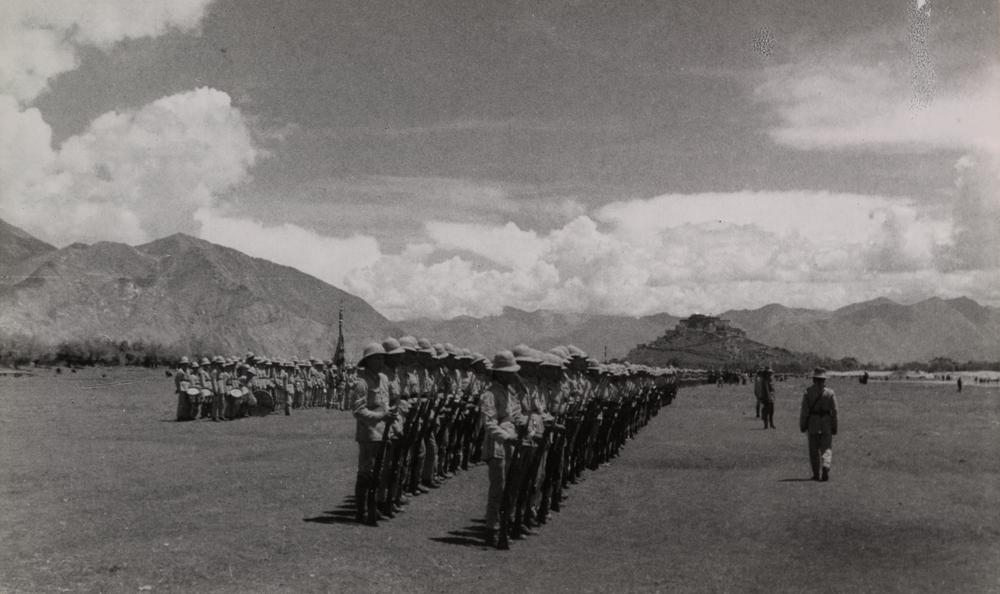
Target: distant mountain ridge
x=881 y=330
x=180 y=291
x=544 y=329
x=184 y=291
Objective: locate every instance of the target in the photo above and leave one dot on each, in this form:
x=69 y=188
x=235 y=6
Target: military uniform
x=370 y=398
x=501 y=414
x=766 y=397
x=818 y=418
x=182 y=381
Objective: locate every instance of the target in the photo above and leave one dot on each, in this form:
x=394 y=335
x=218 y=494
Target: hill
x=544 y=329
x=181 y=291
x=16 y=246
x=705 y=342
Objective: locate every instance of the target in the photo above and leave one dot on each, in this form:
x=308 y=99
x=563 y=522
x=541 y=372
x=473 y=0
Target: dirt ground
x=100 y=491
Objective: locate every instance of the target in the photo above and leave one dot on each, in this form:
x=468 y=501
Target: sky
x=452 y=158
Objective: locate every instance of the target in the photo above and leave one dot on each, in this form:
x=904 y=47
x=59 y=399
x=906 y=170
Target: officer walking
x=818 y=417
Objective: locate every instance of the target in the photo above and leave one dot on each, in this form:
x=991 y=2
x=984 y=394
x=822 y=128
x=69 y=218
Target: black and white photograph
x=499 y=296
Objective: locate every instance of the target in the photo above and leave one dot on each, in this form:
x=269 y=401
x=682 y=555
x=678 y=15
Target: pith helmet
x=424 y=346
x=391 y=346
x=371 y=350
x=504 y=361
x=552 y=360
x=525 y=354
x=185 y=361
x=408 y=343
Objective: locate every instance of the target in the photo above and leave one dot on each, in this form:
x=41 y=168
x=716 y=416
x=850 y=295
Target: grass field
x=100 y=491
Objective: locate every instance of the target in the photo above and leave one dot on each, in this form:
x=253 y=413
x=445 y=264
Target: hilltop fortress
x=711 y=342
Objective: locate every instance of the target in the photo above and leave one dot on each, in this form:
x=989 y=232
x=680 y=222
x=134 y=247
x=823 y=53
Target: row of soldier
x=537 y=419
x=224 y=388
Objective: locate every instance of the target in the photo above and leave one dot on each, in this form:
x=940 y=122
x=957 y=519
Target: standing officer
x=757 y=381
x=501 y=413
x=766 y=397
x=370 y=397
x=819 y=418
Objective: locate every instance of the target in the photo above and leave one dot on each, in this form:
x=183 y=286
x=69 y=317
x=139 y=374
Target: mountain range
x=881 y=330
x=203 y=297
x=178 y=291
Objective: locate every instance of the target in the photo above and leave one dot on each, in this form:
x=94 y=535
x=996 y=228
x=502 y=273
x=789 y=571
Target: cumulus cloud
x=130 y=176
x=844 y=99
x=679 y=253
x=327 y=258
x=39 y=40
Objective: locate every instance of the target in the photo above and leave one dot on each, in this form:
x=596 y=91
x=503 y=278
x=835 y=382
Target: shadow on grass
x=342 y=514
x=470 y=536
x=796 y=480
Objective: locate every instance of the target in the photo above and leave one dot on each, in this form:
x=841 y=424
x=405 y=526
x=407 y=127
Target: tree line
x=19 y=350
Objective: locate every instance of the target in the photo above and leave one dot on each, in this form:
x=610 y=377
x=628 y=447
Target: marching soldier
x=818 y=417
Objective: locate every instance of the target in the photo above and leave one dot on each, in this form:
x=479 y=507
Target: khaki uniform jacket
x=370 y=400
x=181 y=380
x=819 y=411
x=501 y=413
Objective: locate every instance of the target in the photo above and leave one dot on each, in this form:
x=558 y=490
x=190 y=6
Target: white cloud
x=681 y=253
x=327 y=258
x=131 y=176
x=39 y=39
x=843 y=101
x=507 y=245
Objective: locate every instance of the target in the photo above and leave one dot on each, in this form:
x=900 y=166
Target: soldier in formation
x=537 y=419
x=229 y=388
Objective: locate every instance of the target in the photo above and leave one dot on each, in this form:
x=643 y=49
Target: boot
x=826 y=475
x=360 y=495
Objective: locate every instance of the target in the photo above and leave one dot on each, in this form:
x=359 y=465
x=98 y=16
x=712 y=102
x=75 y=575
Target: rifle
x=398 y=455
x=528 y=487
x=429 y=411
x=554 y=463
x=503 y=539
x=372 y=517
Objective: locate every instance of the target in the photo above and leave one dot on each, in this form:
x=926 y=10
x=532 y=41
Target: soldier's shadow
x=342 y=514
x=473 y=535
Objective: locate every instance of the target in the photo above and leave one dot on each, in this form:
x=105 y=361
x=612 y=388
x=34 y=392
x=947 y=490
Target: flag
x=338 y=354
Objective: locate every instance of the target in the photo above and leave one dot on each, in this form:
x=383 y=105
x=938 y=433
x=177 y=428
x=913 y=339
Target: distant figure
x=864 y=378
x=757 y=381
x=818 y=417
x=959 y=383
x=766 y=398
